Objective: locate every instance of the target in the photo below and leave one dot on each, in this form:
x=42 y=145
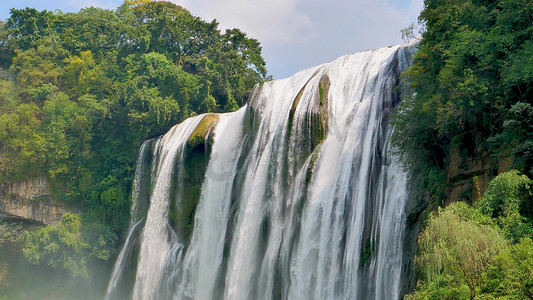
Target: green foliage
x=408 y=33
x=470 y=86
x=9 y=235
x=20 y=142
x=6 y=49
x=506 y=195
x=503 y=196
x=366 y=252
x=80 y=92
x=511 y=275
x=92 y=29
x=518 y=131
x=155 y=91
x=68 y=245
x=515 y=226
x=444 y=287
x=39 y=65
x=458 y=243
x=464 y=254
x=29 y=25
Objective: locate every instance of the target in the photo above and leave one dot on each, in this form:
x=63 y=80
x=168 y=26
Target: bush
x=505 y=196
x=68 y=245
x=458 y=245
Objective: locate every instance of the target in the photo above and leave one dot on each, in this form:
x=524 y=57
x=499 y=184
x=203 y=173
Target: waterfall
x=294 y=196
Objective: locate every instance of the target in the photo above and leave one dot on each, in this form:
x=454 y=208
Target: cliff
x=30 y=200
x=468 y=174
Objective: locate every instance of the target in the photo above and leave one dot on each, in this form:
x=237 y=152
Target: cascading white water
x=298 y=197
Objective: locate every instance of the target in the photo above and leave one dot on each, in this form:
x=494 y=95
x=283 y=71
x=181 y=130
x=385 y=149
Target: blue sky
x=295 y=34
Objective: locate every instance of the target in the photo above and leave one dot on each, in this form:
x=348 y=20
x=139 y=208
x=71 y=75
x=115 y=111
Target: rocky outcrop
x=31 y=200
x=468 y=175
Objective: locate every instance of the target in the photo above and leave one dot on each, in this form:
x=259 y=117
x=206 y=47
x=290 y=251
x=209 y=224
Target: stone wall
x=30 y=200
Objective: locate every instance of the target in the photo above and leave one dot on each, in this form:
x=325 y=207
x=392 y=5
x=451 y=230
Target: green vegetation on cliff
x=470 y=116
x=89 y=87
x=472 y=85
x=483 y=251
x=80 y=92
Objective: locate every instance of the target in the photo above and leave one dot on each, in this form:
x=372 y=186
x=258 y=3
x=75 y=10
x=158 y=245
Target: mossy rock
x=317 y=125
x=295 y=103
x=321 y=126
x=309 y=173
x=202 y=133
x=366 y=252
x=196 y=158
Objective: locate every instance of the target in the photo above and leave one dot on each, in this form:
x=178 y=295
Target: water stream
x=294 y=196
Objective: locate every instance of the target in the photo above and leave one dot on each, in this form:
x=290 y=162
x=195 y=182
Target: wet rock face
x=30 y=200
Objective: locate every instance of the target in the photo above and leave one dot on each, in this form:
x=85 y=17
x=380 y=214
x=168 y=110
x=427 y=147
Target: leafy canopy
x=80 y=92
x=470 y=87
x=483 y=251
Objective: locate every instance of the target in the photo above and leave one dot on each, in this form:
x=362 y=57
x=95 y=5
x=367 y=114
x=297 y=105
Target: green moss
x=314 y=156
x=319 y=125
x=297 y=99
x=196 y=157
x=182 y=212
x=295 y=105
x=366 y=252
x=173 y=216
x=183 y=216
x=316 y=125
x=321 y=91
x=199 y=135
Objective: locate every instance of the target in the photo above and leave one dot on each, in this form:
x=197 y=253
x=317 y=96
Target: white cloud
x=297 y=34
x=273 y=21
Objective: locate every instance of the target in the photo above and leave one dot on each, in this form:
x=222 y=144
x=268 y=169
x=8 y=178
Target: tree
x=171 y=28
x=80 y=92
x=156 y=94
x=84 y=76
x=28 y=25
x=91 y=86
x=408 y=33
x=468 y=77
x=511 y=274
x=38 y=66
x=507 y=195
x=464 y=254
x=92 y=29
x=21 y=151
x=6 y=47
x=457 y=246
x=68 y=245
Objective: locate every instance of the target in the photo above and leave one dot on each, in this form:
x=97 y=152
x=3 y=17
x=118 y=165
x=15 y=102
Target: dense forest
x=80 y=92
x=471 y=87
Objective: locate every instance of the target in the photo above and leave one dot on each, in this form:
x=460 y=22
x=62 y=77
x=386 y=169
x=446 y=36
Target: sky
x=294 y=34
